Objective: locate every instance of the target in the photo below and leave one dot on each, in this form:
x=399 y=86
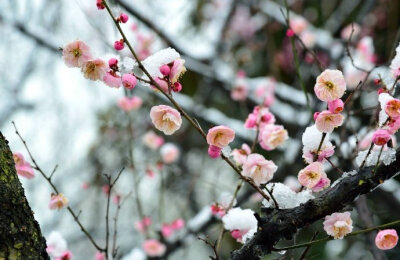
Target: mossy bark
x=20 y=236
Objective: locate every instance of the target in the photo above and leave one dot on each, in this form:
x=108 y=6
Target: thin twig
x=213 y=246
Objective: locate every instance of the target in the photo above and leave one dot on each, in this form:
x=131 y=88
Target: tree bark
x=20 y=235
x=284 y=223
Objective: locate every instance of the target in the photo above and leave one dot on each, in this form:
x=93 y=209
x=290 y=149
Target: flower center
x=329 y=85
x=312 y=175
x=77 y=53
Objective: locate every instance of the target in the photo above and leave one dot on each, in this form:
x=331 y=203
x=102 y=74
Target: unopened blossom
x=327 y=121
x=241 y=223
x=271 y=136
x=76 y=53
x=130 y=103
x=177 y=70
x=311 y=175
x=153 y=141
x=330 y=85
x=176 y=87
x=258 y=168
x=162 y=84
x=166 y=119
x=168 y=229
x=392 y=108
x=338 y=225
x=260 y=116
x=381 y=137
x=336 y=106
x=240 y=155
x=58 y=201
x=67 y=255
x=143 y=224
x=119 y=45
x=154 y=248
x=165 y=70
x=386 y=239
x=169 y=153
x=94 y=69
x=129 y=81
x=99 y=256
x=395 y=64
x=112 y=79
x=123 y=17
x=100 y=5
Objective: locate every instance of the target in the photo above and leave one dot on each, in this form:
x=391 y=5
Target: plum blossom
x=129 y=81
x=56 y=244
x=154 y=248
x=94 y=69
x=130 y=103
x=298 y=24
x=218 y=137
x=239 y=91
x=349 y=29
x=112 y=79
x=327 y=121
x=169 y=153
x=261 y=116
x=241 y=223
x=386 y=239
x=271 y=136
x=166 y=119
x=168 y=229
x=22 y=167
x=311 y=175
x=66 y=255
x=311 y=139
x=338 y=225
x=392 y=108
x=177 y=70
x=336 y=106
x=258 y=168
x=381 y=137
x=395 y=64
x=323 y=183
x=76 y=53
x=265 y=92
x=143 y=224
x=330 y=85
x=240 y=155
x=99 y=256
x=153 y=141
x=58 y=201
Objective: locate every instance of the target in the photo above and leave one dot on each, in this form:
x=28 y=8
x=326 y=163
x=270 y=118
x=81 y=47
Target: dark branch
x=283 y=224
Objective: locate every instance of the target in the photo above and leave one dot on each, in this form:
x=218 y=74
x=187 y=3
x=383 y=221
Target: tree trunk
x=20 y=235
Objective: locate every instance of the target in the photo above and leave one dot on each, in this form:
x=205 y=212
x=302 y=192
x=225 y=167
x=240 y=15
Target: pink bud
x=166 y=230
x=316 y=114
x=178 y=224
x=382 y=90
x=386 y=239
x=119 y=45
x=123 y=17
x=336 y=106
x=381 y=137
x=177 y=87
x=165 y=70
x=99 y=4
x=112 y=62
x=289 y=33
x=214 y=151
x=129 y=81
x=236 y=234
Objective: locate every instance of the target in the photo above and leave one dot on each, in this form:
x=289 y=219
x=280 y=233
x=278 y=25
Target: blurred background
x=230 y=47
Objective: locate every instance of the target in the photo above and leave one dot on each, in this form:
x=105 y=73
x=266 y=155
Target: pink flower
x=166 y=230
x=327 y=121
x=220 y=136
x=123 y=17
x=119 y=45
x=166 y=119
x=311 y=175
x=76 y=54
x=381 y=137
x=323 y=183
x=330 y=85
x=395 y=64
x=105 y=189
x=393 y=125
x=218 y=210
x=19 y=159
x=129 y=81
x=240 y=155
x=271 y=136
x=111 y=79
x=25 y=170
x=298 y=24
x=214 y=151
x=178 y=224
x=154 y=248
x=336 y=106
x=142 y=225
x=386 y=239
x=99 y=4
x=99 y=256
x=348 y=30
x=239 y=93
x=258 y=168
x=169 y=153
x=251 y=121
x=392 y=108
x=153 y=141
x=165 y=70
x=338 y=225
x=177 y=70
x=58 y=201
x=162 y=83
x=326 y=151
x=130 y=103
x=67 y=255
x=94 y=69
